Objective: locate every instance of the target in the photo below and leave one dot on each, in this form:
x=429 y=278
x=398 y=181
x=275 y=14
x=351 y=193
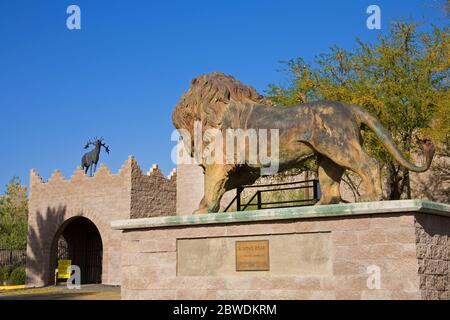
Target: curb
x=12 y=287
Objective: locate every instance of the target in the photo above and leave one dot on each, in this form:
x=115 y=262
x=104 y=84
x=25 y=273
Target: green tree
x=402 y=79
x=14 y=215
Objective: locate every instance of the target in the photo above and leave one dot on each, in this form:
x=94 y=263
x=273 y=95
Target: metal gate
x=81 y=243
x=63 y=249
x=93 y=263
x=311 y=187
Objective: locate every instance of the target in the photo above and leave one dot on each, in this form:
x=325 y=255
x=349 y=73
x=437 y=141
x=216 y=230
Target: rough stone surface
x=433 y=254
x=153 y=194
x=101 y=199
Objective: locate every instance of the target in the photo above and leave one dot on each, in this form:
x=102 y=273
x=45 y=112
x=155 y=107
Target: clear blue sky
x=122 y=74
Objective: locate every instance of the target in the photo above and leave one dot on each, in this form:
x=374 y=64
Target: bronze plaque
x=252 y=255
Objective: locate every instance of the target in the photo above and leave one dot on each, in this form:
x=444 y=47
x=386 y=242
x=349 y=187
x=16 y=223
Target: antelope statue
x=91 y=158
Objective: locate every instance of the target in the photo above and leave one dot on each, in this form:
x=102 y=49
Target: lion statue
x=330 y=130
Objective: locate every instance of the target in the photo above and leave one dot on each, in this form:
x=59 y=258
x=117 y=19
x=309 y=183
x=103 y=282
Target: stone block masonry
x=152 y=194
x=101 y=199
x=433 y=254
x=335 y=250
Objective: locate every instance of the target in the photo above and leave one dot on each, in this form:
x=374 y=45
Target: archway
x=79 y=240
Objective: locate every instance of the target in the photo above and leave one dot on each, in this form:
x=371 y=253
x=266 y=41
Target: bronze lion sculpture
x=330 y=130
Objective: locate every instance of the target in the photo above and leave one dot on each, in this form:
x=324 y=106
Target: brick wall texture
x=393 y=242
x=101 y=199
x=433 y=254
x=152 y=194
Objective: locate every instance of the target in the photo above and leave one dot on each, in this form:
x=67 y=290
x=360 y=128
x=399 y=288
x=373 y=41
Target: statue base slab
x=373 y=250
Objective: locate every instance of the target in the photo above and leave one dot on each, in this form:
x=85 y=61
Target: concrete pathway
x=87 y=292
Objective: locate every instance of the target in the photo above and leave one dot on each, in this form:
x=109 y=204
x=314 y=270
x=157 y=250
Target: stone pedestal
x=378 y=250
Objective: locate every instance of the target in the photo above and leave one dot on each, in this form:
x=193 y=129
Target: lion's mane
x=207 y=99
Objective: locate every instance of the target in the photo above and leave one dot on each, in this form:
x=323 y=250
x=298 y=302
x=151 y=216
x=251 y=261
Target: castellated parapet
x=102 y=198
x=133 y=192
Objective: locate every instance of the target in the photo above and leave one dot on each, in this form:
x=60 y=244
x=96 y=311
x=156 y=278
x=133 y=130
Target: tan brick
x=138 y=283
x=348 y=295
x=352 y=252
x=215 y=283
x=344 y=237
x=400 y=266
x=130 y=246
x=284 y=227
x=287 y=295
x=391 y=221
x=348 y=224
x=401 y=235
x=306 y=225
x=392 y=251
x=201 y=231
x=348 y=267
x=328 y=283
x=289 y=283
x=376 y=294
x=437 y=252
x=249 y=229
x=423 y=251
x=400 y=282
x=440 y=283
x=126 y=294
x=158 y=245
x=241 y=283
x=351 y=283
x=242 y=294
x=373 y=236
x=157 y=294
x=199 y=294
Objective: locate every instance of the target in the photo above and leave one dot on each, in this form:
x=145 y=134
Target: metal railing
x=312 y=185
x=12 y=257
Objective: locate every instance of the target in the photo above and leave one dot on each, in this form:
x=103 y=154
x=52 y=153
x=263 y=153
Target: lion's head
x=208 y=98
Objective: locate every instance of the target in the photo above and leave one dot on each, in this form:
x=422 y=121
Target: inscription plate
x=252 y=255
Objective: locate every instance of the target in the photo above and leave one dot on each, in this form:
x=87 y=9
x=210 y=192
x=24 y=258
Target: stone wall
x=190 y=186
x=433 y=253
x=335 y=257
x=352 y=245
x=102 y=198
x=152 y=194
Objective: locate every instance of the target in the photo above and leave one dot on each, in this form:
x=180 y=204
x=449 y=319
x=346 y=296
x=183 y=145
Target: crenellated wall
x=102 y=198
x=152 y=194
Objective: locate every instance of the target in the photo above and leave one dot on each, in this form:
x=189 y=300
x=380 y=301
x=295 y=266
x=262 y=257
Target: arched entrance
x=79 y=240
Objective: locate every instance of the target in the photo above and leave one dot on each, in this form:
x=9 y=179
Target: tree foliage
x=402 y=79
x=14 y=215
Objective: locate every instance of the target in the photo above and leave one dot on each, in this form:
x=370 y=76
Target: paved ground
x=87 y=292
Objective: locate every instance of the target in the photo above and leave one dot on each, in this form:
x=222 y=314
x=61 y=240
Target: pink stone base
x=412 y=251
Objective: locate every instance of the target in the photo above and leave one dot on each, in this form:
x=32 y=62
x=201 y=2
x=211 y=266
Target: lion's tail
x=373 y=123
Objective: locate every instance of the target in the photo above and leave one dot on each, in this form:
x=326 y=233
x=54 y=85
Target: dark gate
x=80 y=242
x=94 y=253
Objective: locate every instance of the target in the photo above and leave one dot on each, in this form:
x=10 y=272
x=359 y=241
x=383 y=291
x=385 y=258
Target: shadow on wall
x=42 y=232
